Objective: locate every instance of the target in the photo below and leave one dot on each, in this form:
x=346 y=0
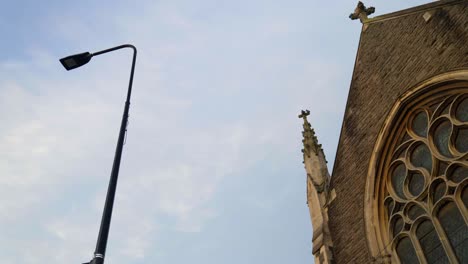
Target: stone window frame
x=377 y=231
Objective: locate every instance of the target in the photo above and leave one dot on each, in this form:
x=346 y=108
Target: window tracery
x=422 y=180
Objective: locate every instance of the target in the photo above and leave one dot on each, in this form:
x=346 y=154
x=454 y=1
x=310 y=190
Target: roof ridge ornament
x=362 y=12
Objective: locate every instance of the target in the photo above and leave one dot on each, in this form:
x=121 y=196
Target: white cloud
x=57 y=139
x=209 y=102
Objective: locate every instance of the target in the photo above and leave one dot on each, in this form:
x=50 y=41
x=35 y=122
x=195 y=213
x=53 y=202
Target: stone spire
x=310 y=140
x=362 y=12
x=318 y=180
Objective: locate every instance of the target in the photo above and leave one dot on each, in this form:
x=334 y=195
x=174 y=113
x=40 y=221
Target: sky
x=212 y=166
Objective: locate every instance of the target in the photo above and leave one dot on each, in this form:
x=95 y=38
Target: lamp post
x=75 y=61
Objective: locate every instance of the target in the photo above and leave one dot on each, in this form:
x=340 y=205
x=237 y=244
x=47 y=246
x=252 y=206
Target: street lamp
x=75 y=61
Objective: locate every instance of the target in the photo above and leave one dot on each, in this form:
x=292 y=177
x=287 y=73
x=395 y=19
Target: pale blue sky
x=211 y=172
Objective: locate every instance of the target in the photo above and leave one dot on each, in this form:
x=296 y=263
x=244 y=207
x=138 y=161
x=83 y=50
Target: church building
x=398 y=192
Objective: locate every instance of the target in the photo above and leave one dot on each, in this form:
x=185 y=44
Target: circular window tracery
x=421 y=175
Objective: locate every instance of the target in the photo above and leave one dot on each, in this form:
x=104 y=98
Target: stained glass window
x=426 y=179
x=441 y=137
x=398 y=178
x=438 y=191
x=430 y=243
x=456 y=230
x=462 y=110
x=465 y=196
x=414 y=212
x=457 y=173
x=406 y=250
x=420 y=124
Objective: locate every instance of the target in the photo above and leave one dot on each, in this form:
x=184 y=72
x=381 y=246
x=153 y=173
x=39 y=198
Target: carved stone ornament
x=310 y=141
x=318 y=180
x=362 y=12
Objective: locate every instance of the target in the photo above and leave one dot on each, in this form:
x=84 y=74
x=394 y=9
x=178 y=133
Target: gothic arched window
x=416 y=211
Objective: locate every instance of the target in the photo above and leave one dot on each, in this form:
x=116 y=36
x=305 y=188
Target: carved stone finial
x=310 y=140
x=304 y=114
x=361 y=12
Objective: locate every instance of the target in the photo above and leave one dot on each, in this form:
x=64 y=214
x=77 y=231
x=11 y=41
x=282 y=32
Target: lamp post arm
x=133 y=63
x=101 y=243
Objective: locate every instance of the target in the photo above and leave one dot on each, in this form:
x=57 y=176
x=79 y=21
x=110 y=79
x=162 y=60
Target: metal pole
x=101 y=243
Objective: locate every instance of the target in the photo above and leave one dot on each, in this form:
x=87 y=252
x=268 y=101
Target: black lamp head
x=75 y=61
